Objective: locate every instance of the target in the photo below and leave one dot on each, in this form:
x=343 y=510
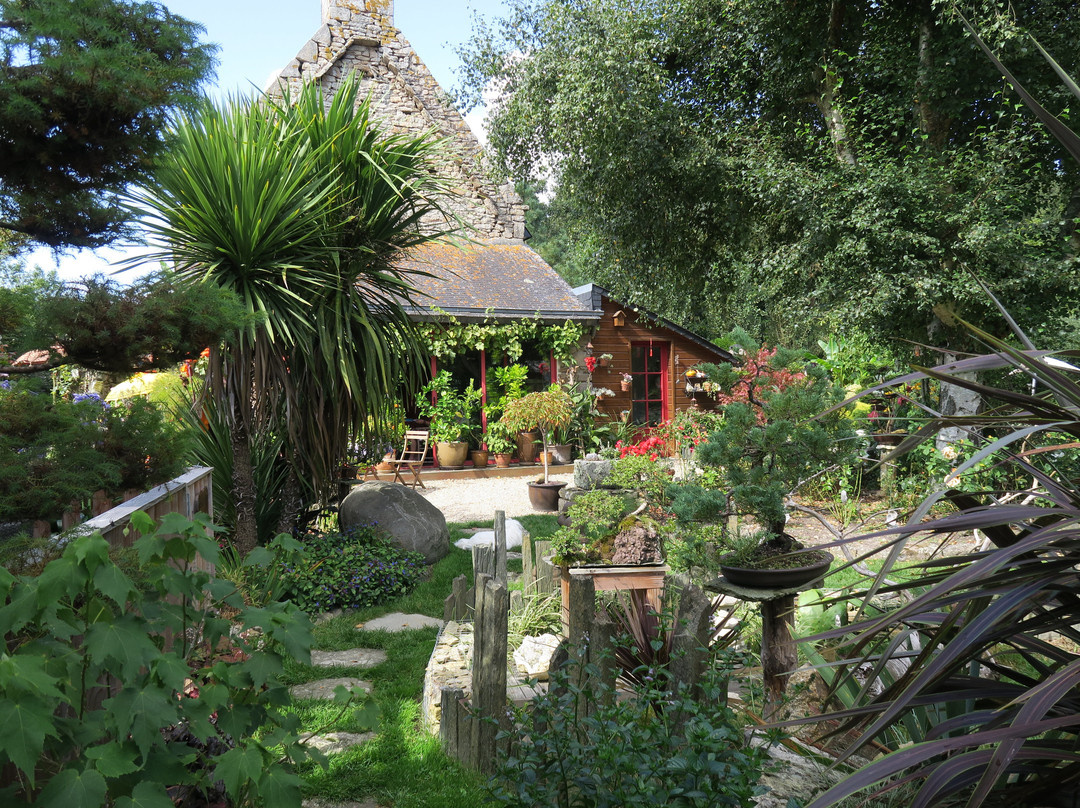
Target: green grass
x=403 y=766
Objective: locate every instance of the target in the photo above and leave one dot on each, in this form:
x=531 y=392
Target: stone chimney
x=343 y=10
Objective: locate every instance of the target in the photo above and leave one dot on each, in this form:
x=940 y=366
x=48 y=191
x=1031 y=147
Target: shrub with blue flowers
x=346 y=570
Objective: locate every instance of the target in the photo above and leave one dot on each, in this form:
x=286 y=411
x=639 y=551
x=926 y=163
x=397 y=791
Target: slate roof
x=504 y=281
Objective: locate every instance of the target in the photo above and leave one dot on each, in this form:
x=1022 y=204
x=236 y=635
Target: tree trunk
x=829 y=82
x=245 y=535
x=932 y=122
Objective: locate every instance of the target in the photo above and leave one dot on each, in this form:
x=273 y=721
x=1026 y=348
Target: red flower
x=590 y=363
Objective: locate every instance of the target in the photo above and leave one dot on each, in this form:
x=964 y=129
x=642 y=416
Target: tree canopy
x=86 y=87
x=795 y=168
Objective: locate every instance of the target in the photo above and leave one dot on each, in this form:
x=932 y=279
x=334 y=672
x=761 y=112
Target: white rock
x=534 y=656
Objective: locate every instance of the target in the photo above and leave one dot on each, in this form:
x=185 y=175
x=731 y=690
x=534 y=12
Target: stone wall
x=360 y=37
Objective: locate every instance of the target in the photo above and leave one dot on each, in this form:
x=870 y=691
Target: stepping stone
x=397 y=621
x=326 y=617
x=353 y=658
x=324 y=688
x=333 y=742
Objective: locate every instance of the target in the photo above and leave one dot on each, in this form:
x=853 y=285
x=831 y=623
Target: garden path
x=474 y=500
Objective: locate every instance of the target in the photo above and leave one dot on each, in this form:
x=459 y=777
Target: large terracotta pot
x=502 y=460
x=562 y=453
x=528 y=448
x=545 y=496
x=452 y=455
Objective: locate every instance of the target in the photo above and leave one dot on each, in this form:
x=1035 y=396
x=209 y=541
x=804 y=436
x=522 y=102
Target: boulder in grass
x=412 y=522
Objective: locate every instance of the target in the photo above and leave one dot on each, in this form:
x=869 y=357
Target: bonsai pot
x=562 y=453
x=502 y=460
x=545 y=496
x=452 y=454
x=527 y=446
x=479 y=457
x=818 y=562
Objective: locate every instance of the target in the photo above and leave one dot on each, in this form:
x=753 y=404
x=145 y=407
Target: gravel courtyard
x=470 y=500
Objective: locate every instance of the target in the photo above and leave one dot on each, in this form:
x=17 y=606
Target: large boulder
x=412 y=522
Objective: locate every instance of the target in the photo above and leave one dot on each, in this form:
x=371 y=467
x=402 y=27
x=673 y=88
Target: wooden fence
x=468 y=727
x=188 y=494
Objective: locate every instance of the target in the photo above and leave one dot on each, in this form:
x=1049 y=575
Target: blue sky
x=256 y=39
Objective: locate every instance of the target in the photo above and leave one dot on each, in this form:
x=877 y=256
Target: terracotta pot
x=788 y=578
x=545 y=496
x=479 y=458
x=452 y=455
x=502 y=460
x=603 y=362
x=528 y=448
x=625 y=386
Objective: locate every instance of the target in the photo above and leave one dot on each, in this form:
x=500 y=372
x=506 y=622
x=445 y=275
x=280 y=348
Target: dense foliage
x=86 y=86
x=988 y=639
x=110 y=694
x=345 y=570
x=98 y=324
x=59 y=451
x=800 y=169
x=584 y=748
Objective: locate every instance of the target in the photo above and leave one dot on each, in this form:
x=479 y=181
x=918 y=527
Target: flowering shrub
x=590 y=363
x=347 y=570
x=653 y=447
x=690 y=427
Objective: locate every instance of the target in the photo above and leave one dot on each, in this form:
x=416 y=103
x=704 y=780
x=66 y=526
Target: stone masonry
x=359 y=36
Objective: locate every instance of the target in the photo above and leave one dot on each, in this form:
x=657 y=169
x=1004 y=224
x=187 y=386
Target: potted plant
x=545 y=411
x=768 y=443
x=448 y=411
x=624 y=382
x=510 y=381
x=499 y=443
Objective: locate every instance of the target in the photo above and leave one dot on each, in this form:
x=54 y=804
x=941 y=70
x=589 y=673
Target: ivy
x=450 y=338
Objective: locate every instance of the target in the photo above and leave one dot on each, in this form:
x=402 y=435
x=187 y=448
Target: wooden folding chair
x=412 y=457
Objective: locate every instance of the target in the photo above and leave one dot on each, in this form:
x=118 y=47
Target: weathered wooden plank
x=528 y=566
x=483 y=560
x=453 y=729
x=500 y=547
x=545 y=573
x=462 y=601
x=489 y=670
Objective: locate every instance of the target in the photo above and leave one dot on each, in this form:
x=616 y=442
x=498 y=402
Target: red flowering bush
x=590 y=363
x=654 y=447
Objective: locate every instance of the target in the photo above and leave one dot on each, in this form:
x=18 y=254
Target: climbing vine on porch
x=449 y=338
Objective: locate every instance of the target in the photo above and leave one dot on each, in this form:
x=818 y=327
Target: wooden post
x=528 y=566
x=457 y=603
x=779 y=655
x=544 y=572
x=602 y=654
x=483 y=560
x=454 y=731
x=500 y=547
x=489 y=669
x=688 y=648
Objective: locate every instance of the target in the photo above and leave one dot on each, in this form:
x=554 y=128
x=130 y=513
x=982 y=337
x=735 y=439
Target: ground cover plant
x=580 y=747
x=321 y=571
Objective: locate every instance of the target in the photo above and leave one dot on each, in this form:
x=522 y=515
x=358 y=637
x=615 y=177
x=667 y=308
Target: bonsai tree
x=544 y=410
x=769 y=440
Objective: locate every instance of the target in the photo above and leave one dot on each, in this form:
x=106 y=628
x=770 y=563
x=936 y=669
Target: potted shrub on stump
x=545 y=411
x=448 y=411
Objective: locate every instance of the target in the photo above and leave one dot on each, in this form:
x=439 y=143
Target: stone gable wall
x=360 y=36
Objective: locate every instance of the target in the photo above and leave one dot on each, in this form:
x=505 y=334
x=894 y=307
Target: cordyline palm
x=300 y=207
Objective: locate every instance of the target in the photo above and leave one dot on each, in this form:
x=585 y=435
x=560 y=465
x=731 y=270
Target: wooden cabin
x=654 y=351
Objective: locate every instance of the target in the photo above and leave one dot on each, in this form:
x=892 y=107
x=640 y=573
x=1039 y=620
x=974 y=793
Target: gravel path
x=471 y=500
